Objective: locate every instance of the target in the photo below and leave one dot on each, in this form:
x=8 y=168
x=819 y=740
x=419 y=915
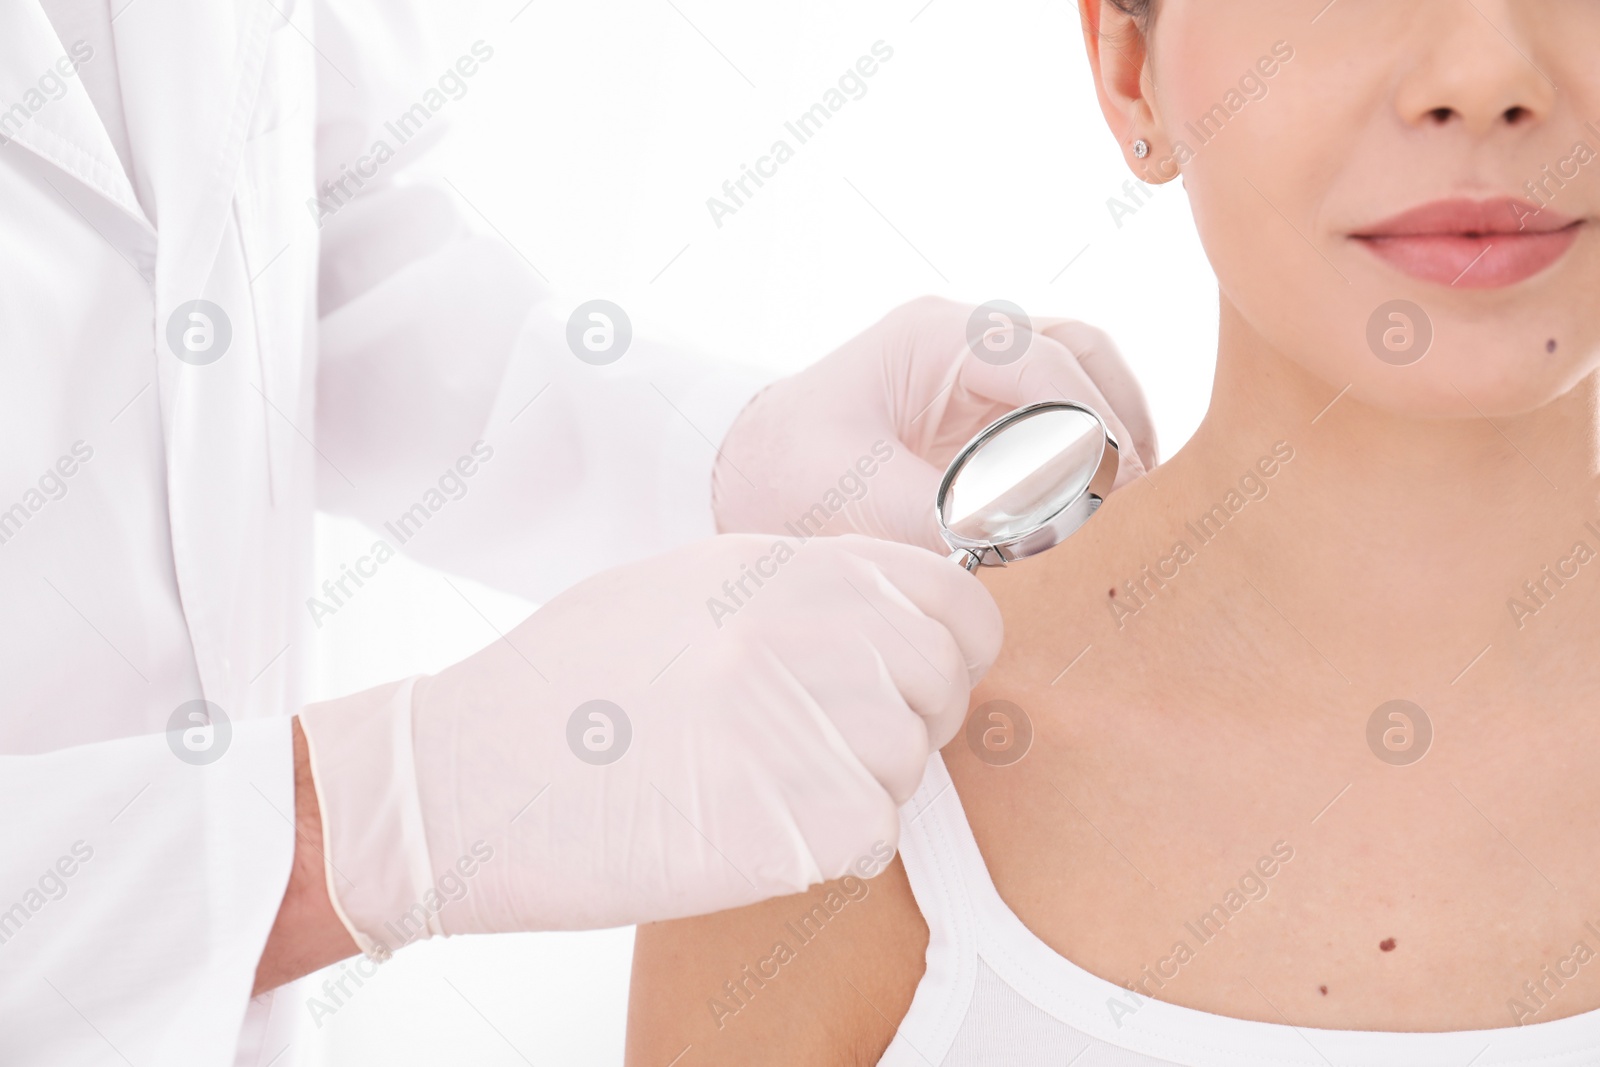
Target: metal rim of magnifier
x=1053 y=530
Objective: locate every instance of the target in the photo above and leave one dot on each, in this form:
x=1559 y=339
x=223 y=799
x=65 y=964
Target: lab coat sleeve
x=136 y=894
x=453 y=417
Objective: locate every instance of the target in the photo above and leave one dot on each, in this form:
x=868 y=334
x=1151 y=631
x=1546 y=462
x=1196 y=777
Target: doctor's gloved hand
x=858 y=441
x=734 y=720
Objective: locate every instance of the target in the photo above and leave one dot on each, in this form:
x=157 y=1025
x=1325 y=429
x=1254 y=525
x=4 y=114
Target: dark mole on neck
x=1386 y=945
x=1322 y=989
x=1550 y=345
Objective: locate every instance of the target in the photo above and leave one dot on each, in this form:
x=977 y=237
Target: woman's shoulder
x=824 y=975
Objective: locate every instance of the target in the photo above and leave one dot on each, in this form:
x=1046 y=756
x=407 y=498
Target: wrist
x=729 y=480
x=376 y=864
x=307 y=934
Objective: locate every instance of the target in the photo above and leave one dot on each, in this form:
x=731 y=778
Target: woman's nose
x=1476 y=65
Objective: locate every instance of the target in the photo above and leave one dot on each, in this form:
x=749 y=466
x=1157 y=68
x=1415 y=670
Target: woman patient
x=1312 y=769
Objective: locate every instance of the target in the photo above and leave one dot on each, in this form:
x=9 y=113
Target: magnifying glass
x=1026 y=483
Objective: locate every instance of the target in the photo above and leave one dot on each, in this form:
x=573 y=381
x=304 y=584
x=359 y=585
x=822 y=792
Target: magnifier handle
x=968 y=560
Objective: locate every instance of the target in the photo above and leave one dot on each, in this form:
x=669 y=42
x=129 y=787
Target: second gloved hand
x=856 y=442
x=732 y=721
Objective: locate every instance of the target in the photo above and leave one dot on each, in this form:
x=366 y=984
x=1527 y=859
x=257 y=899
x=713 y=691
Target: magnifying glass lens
x=1023 y=476
x=1026 y=482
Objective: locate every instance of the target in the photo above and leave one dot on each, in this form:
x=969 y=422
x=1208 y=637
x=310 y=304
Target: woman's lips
x=1468 y=262
x=1473 y=244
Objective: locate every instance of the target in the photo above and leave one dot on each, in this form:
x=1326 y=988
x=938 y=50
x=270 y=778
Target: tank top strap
x=941 y=858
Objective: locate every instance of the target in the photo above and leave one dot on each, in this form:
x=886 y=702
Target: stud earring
x=1141 y=148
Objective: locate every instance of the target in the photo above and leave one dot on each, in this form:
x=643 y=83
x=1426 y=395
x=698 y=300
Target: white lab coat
x=172 y=562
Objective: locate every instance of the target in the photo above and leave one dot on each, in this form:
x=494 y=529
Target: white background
x=976 y=166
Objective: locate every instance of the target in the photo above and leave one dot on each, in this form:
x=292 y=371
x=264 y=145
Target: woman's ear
x=1119 y=61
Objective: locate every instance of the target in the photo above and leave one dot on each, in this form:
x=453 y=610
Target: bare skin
x=307 y=934
x=1194 y=784
x=1186 y=727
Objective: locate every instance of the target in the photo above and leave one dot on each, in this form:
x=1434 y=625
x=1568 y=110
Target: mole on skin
x=1322 y=989
x=1386 y=945
x=1550 y=345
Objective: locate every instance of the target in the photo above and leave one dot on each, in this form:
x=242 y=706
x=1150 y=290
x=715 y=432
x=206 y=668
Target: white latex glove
x=775 y=728
x=910 y=389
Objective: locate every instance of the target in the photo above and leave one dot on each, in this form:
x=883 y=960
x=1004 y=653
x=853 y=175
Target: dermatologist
x=209 y=330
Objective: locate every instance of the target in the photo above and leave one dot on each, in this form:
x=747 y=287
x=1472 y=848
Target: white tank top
x=993 y=993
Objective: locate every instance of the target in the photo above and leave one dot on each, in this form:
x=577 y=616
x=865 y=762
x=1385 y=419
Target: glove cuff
x=732 y=404
x=375 y=850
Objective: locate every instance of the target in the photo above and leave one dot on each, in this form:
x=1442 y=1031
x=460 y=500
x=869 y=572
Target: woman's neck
x=1397 y=539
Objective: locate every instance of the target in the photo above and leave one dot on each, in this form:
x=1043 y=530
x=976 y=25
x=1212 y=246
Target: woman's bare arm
x=820 y=978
